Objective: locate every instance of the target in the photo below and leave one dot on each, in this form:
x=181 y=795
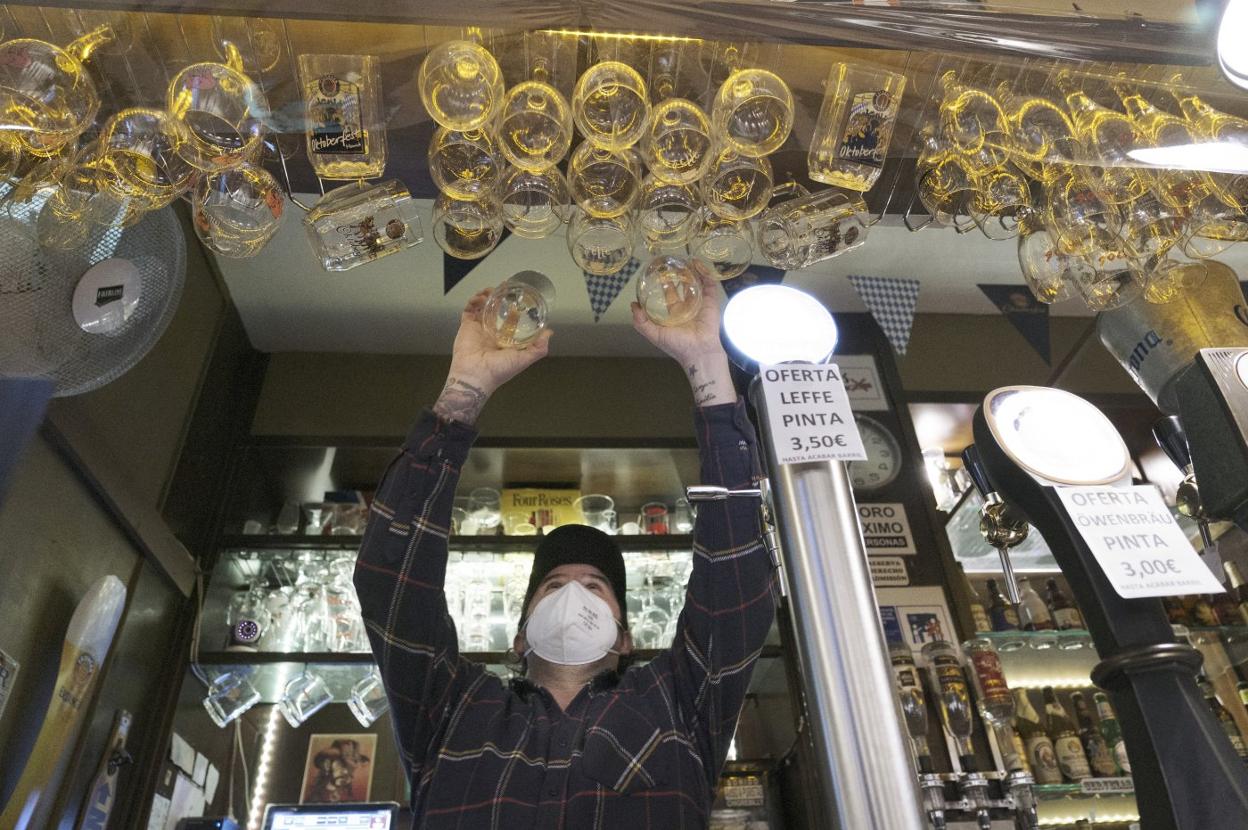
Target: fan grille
x=38 y=333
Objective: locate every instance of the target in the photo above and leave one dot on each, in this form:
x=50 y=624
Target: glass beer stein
x=855 y=126
x=236 y=212
x=1150 y=227
x=1177 y=189
x=1046 y=270
x=737 y=186
x=461 y=85
x=1114 y=279
x=973 y=120
x=1106 y=139
x=667 y=213
x=670 y=290
x=812 y=227
x=223 y=111
x=358 y=223
x=47 y=96
x=140 y=158
x=604 y=182
x=467 y=228
x=997 y=202
x=1041 y=133
x=600 y=245
x=258 y=41
x=753 y=112
x=1170 y=278
x=345 y=127
x=726 y=245
x=517 y=310
x=1084 y=222
x=465 y=165
x=534 y=205
x=1212 y=226
x=535 y=125
x=76 y=206
x=610 y=105
x=677 y=145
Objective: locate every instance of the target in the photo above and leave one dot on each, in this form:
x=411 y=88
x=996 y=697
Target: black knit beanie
x=580 y=545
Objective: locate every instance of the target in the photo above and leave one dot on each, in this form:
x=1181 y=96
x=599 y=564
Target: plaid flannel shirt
x=640 y=751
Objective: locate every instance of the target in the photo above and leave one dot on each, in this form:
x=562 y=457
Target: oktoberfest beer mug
x=236 y=212
x=517 y=309
x=345 y=126
x=47 y=96
x=812 y=227
x=855 y=126
x=358 y=223
x=223 y=112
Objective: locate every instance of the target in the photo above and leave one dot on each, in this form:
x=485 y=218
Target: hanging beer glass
x=1171 y=278
x=753 y=112
x=47 y=97
x=737 y=186
x=358 y=223
x=77 y=207
x=467 y=228
x=1114 y=279
x=1210 y=125
x=257 y=40
x=141 y=159
x=943 y=185
x=604 y=182
x=535 y=125
x=855 y=125
x=236 y=212
x=1041 y=133
x=677 y=145
x=534 y=204
x=669 y=291
x=611 y=105
x=812 y=227
x=997 y=202
x=1085 y=223
x=1212 y=226
x=1106 y=139
x=223 y=111
x=1049 y=273
x=726 y=245
x=600 y=245
x=345 y=126
x=465 y=165
x=461 y=85
x=667 y=213
x=973 y=121
x=1150 y=227
x=1176 y=188
x=517 y=310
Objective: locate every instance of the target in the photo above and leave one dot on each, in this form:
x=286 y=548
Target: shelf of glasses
x=466 y=544
x=1035 y=659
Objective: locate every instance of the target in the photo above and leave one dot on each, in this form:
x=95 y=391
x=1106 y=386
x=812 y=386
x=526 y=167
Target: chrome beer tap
x=1001 y=525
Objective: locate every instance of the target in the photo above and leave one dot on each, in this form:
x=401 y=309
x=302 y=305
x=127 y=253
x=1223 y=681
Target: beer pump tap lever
x=1000 y=524
x=1169 y=435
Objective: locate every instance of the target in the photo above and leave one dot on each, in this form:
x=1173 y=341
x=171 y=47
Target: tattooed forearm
x=460 y=401
x=704 y=393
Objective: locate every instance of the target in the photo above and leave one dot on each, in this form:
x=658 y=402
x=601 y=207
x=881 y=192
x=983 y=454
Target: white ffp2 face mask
x=571 y=627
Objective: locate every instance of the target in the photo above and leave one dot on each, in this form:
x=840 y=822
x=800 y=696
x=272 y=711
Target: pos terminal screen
x=337 y=817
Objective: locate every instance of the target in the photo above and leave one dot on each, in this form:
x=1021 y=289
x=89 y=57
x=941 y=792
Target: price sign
x=1098 y=786
x=1136 y=541
x=810 y=414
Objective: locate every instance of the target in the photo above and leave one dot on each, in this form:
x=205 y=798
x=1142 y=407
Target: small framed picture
x=338 y=768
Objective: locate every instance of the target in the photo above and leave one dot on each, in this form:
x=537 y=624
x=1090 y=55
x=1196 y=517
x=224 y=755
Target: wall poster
x=338 y=768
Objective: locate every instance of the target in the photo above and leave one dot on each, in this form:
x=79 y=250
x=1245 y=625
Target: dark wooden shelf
x=463 y=544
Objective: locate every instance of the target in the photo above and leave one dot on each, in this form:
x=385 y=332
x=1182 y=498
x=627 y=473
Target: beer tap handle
x=1169 y=435
x=710 y=492
x=975 y=467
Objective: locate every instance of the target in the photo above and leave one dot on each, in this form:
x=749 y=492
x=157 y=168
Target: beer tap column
x=1001 y=525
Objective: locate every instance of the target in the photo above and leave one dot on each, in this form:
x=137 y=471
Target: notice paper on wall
x=809 y=414
x=1137 y=542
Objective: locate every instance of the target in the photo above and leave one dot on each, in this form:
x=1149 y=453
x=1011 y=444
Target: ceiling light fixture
x=767 y=324
x=1233 y=42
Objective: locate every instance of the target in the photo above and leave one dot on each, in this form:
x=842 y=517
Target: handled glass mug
x=812 y=227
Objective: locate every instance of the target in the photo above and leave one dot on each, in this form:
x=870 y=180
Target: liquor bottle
x=1111 y=730
x=1065 y=614
x=913 y=702
x=1036 y=742
x=1100 y=759
x=1032 y=612
x=1066 y=744
x=1001 y=612
x=979 y=616
x=1238 y=590
x=1224 y=718
x=1202 y=612
x=1177 y=610
x=996 y=704
x=1225 y=608
x=953 y=696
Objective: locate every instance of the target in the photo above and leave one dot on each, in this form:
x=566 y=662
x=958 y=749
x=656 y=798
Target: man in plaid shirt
x=572 y=745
